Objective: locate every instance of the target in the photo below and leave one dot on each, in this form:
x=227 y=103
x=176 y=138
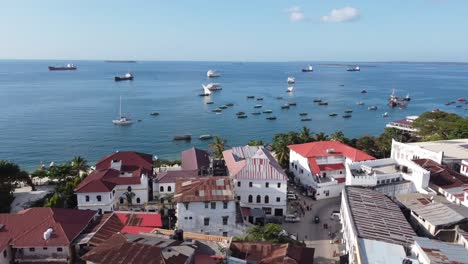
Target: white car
x=292 y=197
x=290 y=218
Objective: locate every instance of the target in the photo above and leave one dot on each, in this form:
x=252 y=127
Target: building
x=431 y=213
x=447 y=182
x=41 y=234
x=457 y=235
x=464 y=168
x=259 y=181
x=373 y=226
x=164 y=183
x=196 y=159
x=446 y=152
x=141 y=248
x=207 y=205
x=405 y=124
x=320 y=166
x=120 y=180
x=388 y=176
x=433 y=252
x=264 y=252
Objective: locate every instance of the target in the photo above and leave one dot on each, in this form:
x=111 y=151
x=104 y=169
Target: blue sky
x=237 y=30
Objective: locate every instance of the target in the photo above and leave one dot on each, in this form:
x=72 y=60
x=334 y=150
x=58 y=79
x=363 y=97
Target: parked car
x=317 y=219
x=292 y=197
x=290 y=218
x=335 y=214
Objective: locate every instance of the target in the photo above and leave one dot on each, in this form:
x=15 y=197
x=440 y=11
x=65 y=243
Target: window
x=206 y=205
x=238 y=198
x=59 y=249
x=250 y=184
x=138 y=200
x=98 y=198
x=213 y=205
x=100 y=211
x=113 y=192
x=267 y=199
x=87 y=198
x=250 y=199
x=186 y=206
x=161 y=188
x=278 y=199
x=190 y=218
x=121 y=200
x=301 y=171
x=225 y=220
x=225 y=205
x=279 y=184
x=238 y=184
x=267 y=184
x=169 y=188
x=267 y=210
x=206 y=221
x=341 y=172
x=259 y=199
x=378 y=182
x=32 y=249
x=225 y=234
x=162 y=200
x=110 y=195
x=44 y=248
x=327 y=193
x=5 y=253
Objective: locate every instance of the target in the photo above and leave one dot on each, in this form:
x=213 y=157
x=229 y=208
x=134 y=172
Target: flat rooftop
x=389 y=167
x=453 y=149
x=441 y=252
x=377 y=217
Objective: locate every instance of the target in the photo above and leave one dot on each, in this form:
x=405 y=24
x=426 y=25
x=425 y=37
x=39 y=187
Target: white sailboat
x=212 y=74
x=122 y=120
x=291 y=80
x=206 y=91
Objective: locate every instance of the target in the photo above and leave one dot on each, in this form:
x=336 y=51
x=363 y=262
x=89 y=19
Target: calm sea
x=53 y=116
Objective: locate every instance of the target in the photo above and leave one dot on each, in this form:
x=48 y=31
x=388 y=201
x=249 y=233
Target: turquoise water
x=53 y=116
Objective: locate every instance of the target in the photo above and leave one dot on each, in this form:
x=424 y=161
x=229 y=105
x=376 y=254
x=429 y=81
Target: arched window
x=250 y=198
x=138 y=200
x=259 y=199
x=267 y=199
x=169 y=188
x=98 y=198
x=121 y=200
x=161 y=188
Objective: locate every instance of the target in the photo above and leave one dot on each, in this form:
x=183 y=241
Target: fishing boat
x=154 y=113
x=303 y=114
x=68 y=67
x=122 y=120
x=217 y=110
x=223 y=107
x=291 y=80
x=458 y=106
x=348 y=111
x=372 y=107
x=259 y=98
x=317 y=100
x=214 y=86
x=186 y=137
x=450 y=103
x=126 y=77
x=285 y=106
x=363 y=91
x=210 y=102
x=323 y=103
x=205 y=137
x=385 y=114
x=309 y=68
x=346 y=116
x=271 y=118
x=333 y=114
x=353 y=69
x=268 y=111
x=292 y=103
x=242 y=116
x=258 y=106
x=250 y=97
x=230 y=104
x=206 y=91
x=212 y=74
x=407 y=98
x=290 y=89
x=461 y=99
x=240 y=113
x=360 y=103
x=256 y=113
x=306 y=119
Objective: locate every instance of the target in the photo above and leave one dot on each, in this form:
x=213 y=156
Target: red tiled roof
x=331 y=167
x=405 y=122
x=152 y=220
x=441 y=175
x=250 y=162
x=105 y=181
x=195 y=159
x=204 y=189
x=269 y=253
x=26 y=228
x=136 y=230
x=171 y=176
x=201 y=258
x=128 y=158
x=319 y=149
x=109 y=224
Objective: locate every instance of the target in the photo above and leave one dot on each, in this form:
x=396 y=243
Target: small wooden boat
x=205 y=137
x=240 y=113
x=346 y=116
x=306 y=119
x=183 y=137
x=372 y=107
x=323 y=103
x=292 y=103
x=230 y=104
x=348 y=111
x=363 y=91
x=242 y=116
x=333 y=114
x=458 y=106
x=223 y=107
x=256 y=113
x=461 y=99
x=271 y=118
x=210 y=102
x=250 y=97
x=268 y=111
x=258 y=106
x=303 y=114
x=285 y=106
x=154 y=113
x=317 y=100
x=217 y=110
x=260 y=99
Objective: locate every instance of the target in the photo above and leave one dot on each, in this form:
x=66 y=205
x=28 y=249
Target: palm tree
x=79 y=164
x=281 y=152
x=305 y=135
x=129 y=196
x=218 y=147
x=321 y=137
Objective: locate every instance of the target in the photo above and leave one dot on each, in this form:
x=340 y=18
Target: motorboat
x=333 y=114
x=292 y=103
x=450 y=103
x=360 y=103
x=259 y=98
x=240 y=113
x=154 y=113
x=122 y=120
x=242 y=116
x=317 y=100
x=271 y=118
x=290 y=89
x=217 y=110
x=303 y=114
x=372 y=107
x=363 y=91
x=223 y=107
x=230 y=104
x=306 y=119
x=214 y=86
x=291 y=80
x=205 y=137
x=323 y=103
x=250 y=97
x=126 y=77
x=348 y=111
x=346 y=116
x=461 y=99
x=353 y=69
x=285 y=106
x=212 y=74
x=206 y=91
x=309 y=68
x=68 y=67
x=256 y=113
x=210 y=102
x=186 y=137
x=268 y=111
x=385 y=114
x=258 y=106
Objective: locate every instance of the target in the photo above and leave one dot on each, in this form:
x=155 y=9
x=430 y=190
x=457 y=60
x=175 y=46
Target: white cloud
x=345 y=14
x=295 y=14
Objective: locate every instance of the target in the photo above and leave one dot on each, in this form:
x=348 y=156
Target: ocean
x=53 y=116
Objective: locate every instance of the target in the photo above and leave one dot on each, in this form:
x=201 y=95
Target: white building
x=320 y=166
x=164 y=184
x=373 y=226
x=117 y=178
x=388 y=176
x=405 y=124
x=207 y=205
x=464 y=168
x=432 y=251
x=259 y=181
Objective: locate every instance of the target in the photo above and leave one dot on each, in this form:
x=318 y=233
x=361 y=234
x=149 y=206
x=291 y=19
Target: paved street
x=315 y=235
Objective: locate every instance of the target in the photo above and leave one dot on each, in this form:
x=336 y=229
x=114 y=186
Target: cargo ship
x=68 y=67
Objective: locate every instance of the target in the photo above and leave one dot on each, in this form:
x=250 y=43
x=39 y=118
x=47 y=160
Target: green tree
x=321 y=137
x=384 y=141
x=255 y=142
x=78 y=164
x=218 y=147
x=129 y=195
x=339 y=136
x=369 y=145
x=270 y=233
x=55 y=201
x=10 y=174
x=305 y=135
x=440 y=126
x=60 y=172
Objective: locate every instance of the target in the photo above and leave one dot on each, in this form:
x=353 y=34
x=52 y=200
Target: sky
x=235 y=30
